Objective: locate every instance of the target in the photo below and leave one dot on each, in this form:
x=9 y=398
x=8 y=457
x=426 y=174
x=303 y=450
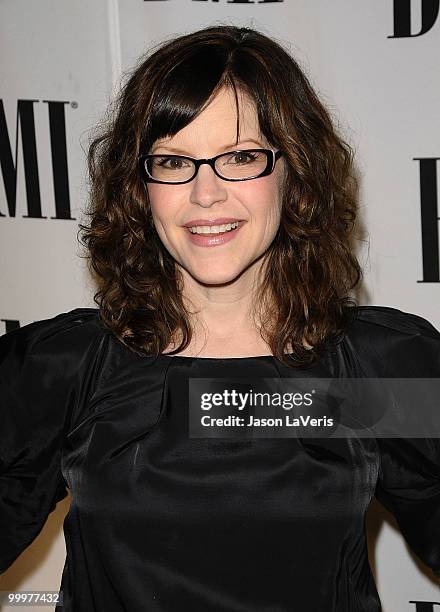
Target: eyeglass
x=231 y=166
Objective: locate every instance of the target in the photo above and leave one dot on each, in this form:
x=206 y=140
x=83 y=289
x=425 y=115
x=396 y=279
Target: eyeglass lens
x=238 y=165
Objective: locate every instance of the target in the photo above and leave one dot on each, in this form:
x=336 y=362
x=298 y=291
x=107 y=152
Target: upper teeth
x=212 y=229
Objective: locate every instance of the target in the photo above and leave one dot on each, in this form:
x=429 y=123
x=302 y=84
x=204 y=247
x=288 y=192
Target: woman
x=221 y=209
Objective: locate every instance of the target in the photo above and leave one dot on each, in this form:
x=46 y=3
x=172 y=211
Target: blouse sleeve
x=409 y=477
x=40 y=380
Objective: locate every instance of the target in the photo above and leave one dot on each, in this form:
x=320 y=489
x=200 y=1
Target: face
x=255 y=203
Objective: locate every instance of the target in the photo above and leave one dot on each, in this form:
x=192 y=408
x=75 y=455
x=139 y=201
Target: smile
x=213 y=229
x=213 y=235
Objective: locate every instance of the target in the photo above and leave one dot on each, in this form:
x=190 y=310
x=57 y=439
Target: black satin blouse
x=162 y=522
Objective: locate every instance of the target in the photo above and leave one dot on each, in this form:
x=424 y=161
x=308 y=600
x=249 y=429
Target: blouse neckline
x=220 y=358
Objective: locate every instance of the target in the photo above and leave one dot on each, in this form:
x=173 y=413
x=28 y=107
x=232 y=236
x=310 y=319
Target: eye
x=171 y=163
x=242 y=157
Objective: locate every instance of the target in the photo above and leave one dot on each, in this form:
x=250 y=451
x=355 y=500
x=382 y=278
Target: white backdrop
x=374 y=64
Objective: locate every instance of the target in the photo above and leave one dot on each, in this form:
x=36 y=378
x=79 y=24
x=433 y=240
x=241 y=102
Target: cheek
x=155 y=195
x=161 y=202
x=261 y=197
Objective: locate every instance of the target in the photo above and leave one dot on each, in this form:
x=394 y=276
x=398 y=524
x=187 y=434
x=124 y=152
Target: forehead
x=217 y=126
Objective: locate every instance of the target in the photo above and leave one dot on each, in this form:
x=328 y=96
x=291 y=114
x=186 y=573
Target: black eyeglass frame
x=272 y=157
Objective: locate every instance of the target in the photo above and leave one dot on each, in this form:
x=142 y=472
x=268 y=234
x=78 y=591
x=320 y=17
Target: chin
x=213 y=277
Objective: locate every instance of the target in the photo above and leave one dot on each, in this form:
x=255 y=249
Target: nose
x=207 y=188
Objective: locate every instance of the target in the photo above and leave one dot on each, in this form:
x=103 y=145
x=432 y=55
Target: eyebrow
x=225 y=148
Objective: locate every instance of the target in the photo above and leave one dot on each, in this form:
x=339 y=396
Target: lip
x=212 y=240
x=219 y=221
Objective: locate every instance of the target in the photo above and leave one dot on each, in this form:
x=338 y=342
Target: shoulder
x=395 y=340
x=71 y=332
x=387 y=321
x=48 y=369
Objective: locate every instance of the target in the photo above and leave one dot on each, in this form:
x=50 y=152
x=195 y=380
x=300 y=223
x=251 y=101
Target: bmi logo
x=429 y=212
x=429 y=11
x=232 y=1
x=8 y=159
x=426 y=606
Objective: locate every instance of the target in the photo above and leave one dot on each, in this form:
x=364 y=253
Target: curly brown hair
x=309 y=267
